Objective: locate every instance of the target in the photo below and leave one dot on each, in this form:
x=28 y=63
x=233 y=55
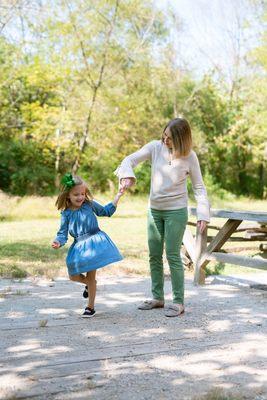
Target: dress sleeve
x=103 y=211
x=200 y=193
x=125 y=169
x=62 y=235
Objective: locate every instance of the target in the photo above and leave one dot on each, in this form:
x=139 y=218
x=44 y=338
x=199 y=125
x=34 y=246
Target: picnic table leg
x=200 y=249
x=189 y=243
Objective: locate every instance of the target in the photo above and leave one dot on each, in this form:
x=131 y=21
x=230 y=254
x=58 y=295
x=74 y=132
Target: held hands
x=55 y=245
x=125 y=183
x=202 y=225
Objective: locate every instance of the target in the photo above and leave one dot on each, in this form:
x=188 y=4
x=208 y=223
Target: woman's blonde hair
x=63 y=201
x=181 y=136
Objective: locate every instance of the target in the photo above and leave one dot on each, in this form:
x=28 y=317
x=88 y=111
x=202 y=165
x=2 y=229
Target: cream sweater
x=168 y=189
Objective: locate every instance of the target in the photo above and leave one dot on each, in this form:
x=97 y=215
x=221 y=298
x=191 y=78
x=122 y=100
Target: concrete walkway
x=49 y=352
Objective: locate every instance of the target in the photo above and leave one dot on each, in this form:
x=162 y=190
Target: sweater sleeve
x=103 y=211
x=125 y=170
x=62 y=235
x=200 y=193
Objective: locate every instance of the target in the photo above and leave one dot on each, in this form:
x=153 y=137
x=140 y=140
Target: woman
x=172 y=160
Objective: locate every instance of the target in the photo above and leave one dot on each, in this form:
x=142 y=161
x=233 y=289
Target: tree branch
x=85 y=135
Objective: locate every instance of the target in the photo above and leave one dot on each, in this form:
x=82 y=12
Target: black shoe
x=85 y=292
x=88 y=313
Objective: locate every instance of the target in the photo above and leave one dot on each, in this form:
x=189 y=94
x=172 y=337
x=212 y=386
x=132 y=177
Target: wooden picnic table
x=201 y=253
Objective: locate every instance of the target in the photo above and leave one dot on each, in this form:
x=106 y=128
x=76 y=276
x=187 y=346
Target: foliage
x=26 y=168
x=85 y=87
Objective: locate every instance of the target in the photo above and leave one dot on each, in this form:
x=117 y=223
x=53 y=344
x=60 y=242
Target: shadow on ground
x=49 y=352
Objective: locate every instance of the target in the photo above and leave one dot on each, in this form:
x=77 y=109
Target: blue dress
x=92 y=248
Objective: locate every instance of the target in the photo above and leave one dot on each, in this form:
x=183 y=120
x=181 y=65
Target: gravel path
x=49 y=352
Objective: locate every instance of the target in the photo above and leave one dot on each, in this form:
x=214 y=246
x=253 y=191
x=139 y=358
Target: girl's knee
x=74 y=277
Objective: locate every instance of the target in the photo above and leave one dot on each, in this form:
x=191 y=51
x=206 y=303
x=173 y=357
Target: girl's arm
x=125 y=170
x=103 y=211
x=118 y=196
x=62 y=235
x=200 y=193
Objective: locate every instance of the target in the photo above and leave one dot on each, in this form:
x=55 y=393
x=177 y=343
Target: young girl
x=92 y=248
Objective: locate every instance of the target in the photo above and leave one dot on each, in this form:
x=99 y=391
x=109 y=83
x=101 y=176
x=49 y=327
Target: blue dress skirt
x=92 y=248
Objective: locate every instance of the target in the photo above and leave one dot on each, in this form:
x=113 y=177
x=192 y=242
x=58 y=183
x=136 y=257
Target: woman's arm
x=200 y=193
x=62 y=235
x=125 y=170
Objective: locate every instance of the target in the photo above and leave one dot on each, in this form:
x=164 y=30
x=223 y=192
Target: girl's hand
x=202 y=225
x=55 y=245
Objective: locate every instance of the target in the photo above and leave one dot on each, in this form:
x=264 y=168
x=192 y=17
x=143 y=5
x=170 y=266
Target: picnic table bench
x=201 y=253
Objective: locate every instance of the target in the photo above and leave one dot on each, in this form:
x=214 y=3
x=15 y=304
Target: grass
x=219 y=394
x=15 y=208
x=29 y=224
x=43 y=323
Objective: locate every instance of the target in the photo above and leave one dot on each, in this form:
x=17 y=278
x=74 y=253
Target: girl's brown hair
x=181 y=136
x=63 y=201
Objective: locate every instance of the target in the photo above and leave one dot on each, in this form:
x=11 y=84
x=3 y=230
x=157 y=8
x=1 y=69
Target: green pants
x=167 y=227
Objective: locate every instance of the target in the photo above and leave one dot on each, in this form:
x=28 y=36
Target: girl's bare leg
x=91 y=284
x=78 y=278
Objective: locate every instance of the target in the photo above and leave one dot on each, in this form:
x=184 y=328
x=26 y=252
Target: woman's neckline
x=170 y=151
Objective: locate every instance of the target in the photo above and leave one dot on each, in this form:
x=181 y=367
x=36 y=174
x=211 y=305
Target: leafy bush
x=27 y=168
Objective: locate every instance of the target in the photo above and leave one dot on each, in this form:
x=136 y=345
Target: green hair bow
x=68 y=181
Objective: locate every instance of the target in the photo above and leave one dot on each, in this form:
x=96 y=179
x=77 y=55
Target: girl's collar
x=76 y=209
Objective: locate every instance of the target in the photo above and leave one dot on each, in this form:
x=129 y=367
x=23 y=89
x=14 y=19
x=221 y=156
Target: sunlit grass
x=29 y=225
x=15 y=208
x=26 y=246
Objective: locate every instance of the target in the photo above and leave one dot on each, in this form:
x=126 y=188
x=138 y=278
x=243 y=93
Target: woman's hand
x=56 y=245
x=125 y=183
x=202 y=225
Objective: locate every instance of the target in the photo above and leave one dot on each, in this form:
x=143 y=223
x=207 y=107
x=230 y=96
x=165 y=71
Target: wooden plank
x=217 y=228
x=189 y=243
x=244 y=239
x=255 y=235
x=236 y=215
x=222 y=236
x=244 y=228
x=67 y=366
x=238 y=249
x=238 y=260
x=260 y=230
x=34 y=324
x=240 y=239
x=201 y=246
x=45 y=381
